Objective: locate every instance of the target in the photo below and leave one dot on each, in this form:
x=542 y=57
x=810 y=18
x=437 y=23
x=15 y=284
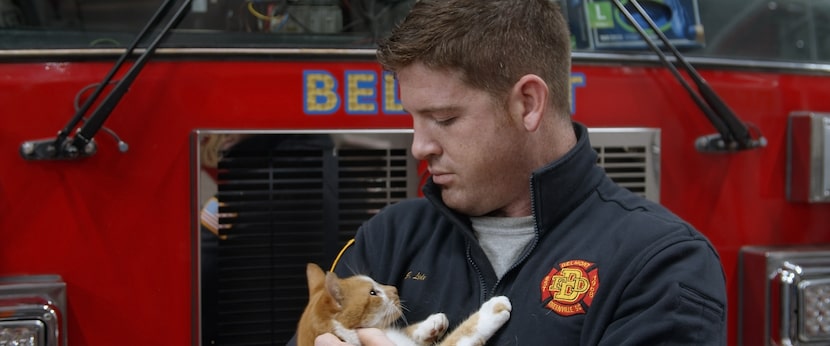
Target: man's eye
x=445 y=122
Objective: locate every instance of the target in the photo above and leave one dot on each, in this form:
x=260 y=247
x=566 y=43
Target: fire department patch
x=570 y=289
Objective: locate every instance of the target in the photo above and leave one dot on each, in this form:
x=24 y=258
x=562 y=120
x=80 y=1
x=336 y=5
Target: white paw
x=493 y=314
x=430 y=329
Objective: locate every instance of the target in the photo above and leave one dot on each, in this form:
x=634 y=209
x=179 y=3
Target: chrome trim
x=770 y=285
x=808 y=157
x=698 y=61
x=36 y=298
x=578 y=57
x=43 y=315
x=208 y=52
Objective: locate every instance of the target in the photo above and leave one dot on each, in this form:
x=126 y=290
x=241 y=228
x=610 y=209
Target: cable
x=260 y=15
x=98 y=41
x=122 y=146
x=340 y=254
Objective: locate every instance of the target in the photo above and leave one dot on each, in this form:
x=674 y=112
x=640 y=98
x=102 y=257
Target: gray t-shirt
x=503 y=239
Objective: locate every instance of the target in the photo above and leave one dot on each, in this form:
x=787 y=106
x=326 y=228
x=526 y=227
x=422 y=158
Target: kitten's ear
x=333 y=286
x=316 y=278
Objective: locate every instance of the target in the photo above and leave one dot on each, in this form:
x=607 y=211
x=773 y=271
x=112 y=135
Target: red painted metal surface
x=117 y=226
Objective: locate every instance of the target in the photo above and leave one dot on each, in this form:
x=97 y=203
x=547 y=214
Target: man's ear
x=529 y=99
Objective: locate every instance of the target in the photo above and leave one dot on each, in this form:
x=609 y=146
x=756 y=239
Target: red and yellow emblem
x=570 y=289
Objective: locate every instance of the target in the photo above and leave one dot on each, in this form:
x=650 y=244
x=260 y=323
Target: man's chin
x=460 y=204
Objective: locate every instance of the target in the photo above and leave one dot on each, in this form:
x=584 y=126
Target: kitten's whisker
x=352 y=270
x=405 y=321
x=403 y=304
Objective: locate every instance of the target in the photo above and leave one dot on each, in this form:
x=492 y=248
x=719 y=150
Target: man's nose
x=423 y=143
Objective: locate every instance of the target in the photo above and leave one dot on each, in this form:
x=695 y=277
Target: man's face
x=474 y=149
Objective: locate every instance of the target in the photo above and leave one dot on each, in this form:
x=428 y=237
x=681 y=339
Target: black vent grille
x=630 y=157
x=280 y=209
x=625 y=166
x=369 y=180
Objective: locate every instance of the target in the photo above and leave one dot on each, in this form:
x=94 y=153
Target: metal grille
x=273 y=215
x=284 y=202
x=369 y=180
x=630 y=157
x=625 y=165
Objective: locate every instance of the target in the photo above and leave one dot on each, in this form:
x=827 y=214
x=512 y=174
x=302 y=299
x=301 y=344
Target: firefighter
x=516 y=205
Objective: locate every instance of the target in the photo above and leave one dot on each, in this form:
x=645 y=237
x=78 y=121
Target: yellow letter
x=320 y=93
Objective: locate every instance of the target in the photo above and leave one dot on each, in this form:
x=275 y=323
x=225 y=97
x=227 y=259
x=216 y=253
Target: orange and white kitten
x=340 y=306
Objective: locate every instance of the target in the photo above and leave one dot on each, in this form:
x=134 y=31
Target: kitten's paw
x=478 y=328
x=497 y=305
x=494 y=314
x=430 y=329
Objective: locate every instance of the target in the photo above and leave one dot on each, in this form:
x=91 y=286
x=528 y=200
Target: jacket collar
x=559 y=187
x=556 y=189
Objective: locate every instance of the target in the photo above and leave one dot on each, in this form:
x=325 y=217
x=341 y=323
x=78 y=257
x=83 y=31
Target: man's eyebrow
x=437 y=109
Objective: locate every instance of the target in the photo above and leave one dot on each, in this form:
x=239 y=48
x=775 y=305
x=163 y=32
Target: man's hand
x=367 y=336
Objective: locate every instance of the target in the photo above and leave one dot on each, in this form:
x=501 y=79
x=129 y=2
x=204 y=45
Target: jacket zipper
x=481 y=283
x=535 y=239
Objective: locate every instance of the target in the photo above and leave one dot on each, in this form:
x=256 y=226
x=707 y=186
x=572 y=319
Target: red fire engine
x=168 y=167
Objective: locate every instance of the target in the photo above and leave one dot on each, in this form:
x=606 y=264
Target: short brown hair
x=492 y=43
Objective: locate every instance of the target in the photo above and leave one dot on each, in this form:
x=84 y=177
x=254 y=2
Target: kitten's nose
x=392 y=292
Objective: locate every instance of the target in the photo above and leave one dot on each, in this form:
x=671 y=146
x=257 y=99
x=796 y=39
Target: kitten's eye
x=373 y=293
